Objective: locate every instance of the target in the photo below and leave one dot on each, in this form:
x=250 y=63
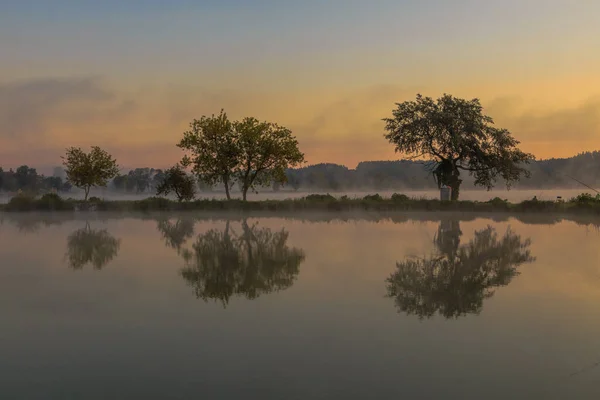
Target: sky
x=129 y=76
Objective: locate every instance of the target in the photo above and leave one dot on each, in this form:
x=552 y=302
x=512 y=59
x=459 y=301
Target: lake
x=414 y=306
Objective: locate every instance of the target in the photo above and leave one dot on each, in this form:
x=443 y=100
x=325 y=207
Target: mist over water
x=514 y=196
x=179 y=306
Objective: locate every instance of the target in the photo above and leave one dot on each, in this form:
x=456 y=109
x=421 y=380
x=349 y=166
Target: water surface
x=415 y=306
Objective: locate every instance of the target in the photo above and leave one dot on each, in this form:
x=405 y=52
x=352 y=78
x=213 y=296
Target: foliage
x=21 y=203
x=586 y=198
x=415 y=175
x=86 y=170
x=52 y=202
x=459 y=137
x=96 y=247
x=320 y=197
x=212 y=144
x=138 y=180
x=373 y=197
x=27 y=180
x=457 y=279
x=177 y=181
x=154 y=204
x=266 y=151
x=313 y=202
x=399 y=198
x=499 y=203
x=251 y=152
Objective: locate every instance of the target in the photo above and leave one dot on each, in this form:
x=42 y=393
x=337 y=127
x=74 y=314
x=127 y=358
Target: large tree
x=266 y=151
x=213 y=150
x=458 y=136
x=86 y=170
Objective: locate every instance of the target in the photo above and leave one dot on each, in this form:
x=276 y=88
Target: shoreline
x=582 y=205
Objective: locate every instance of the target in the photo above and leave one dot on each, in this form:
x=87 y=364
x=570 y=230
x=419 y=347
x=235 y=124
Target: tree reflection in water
x=177 y=233
x=457 y=279
x=222 y=263
x=96 y=247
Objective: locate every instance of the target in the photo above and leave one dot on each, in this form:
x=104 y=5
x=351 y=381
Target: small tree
x=177 y=181
x=459 y=137
x=212 y=144
x=266 y=151
x=85 y=171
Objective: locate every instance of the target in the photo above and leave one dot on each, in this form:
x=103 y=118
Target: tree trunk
x=87 y=192
x=244 y=193
x=226 y=182
x=454 y=182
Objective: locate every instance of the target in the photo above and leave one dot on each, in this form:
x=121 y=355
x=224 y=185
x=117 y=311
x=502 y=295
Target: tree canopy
x=251 y=152
x=86 y=170
x=458 y=137
x=266 y=151
x=212 y=144
x=177 y=181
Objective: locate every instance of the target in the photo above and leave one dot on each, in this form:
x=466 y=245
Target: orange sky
x=132 y=81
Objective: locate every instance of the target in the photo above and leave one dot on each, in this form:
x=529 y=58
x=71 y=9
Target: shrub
x=586 y=198
x=52 y=202
x=153 y=203
x=21 y=203
x=320 y=197
x=497 y=202
x=373 y=197
x=400 y=198
x=536 y=205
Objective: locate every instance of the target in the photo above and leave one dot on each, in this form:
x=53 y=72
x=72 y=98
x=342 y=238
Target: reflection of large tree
x=223 y=264
x=94 y=246
x=457 y=279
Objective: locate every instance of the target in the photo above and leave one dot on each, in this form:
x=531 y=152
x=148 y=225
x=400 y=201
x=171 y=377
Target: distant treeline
x=416 y=175
x=373 y=175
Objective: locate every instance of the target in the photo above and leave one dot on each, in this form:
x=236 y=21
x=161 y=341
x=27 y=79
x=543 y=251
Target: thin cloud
x=31 y=109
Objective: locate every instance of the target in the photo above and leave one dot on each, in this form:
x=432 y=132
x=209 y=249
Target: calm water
x=418 y=307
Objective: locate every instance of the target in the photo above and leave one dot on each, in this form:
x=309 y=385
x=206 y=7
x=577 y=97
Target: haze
x=130 y=77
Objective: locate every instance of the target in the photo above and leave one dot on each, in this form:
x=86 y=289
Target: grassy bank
x=584 y=203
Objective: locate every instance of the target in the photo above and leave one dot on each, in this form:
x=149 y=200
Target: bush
x=497 y=202
x=153 y=203
x=400 y=198
x=52 y=202
x=21 y=203
x=320 y=197
x=536 y=205
x=373 y=197
x=95 y=199
x=586 y=198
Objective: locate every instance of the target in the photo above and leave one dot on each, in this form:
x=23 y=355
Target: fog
x=514 y=195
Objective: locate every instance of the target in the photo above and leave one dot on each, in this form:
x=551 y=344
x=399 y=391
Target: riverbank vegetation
x=584 y=203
